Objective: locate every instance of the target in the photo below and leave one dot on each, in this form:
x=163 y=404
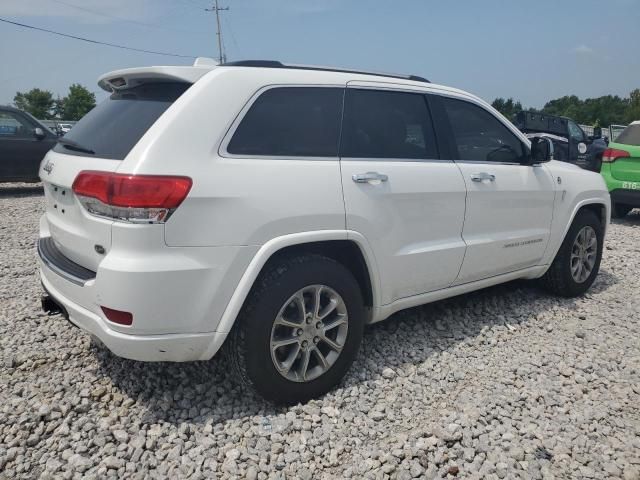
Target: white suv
x=278 y=209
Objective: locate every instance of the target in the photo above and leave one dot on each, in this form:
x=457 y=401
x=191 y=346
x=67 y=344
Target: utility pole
x=222 y=58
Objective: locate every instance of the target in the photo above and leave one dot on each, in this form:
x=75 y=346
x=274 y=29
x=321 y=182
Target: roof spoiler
x=132 y=77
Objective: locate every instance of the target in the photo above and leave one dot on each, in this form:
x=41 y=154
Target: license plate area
x=60 y=200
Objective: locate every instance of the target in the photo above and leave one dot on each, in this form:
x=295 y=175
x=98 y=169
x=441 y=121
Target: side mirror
x=39 y=133
x=541 y=150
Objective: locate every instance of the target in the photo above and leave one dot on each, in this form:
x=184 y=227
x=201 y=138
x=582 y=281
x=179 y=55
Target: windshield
x=113 y=128
x=630 y=135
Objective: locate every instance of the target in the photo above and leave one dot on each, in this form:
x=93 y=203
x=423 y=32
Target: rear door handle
x=372 y=178
x=482 y=176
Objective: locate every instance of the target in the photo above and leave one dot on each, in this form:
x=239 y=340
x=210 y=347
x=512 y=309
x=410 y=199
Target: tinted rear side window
x=113 y=128
x=630 y=135
x=291 y=122
x=383 y=124
x=481 y=136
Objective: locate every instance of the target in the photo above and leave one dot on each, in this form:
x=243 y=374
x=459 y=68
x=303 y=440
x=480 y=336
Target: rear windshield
x=630 y=135
x=112 y=128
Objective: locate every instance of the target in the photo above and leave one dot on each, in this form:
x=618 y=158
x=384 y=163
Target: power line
x=120 y=19
x=227 y=22
x=106 y=15
x=191 y=5
x=215 y=8
x=88 y=40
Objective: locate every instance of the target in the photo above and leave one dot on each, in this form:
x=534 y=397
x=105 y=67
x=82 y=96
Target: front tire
x=577 y=263
x=299 y=330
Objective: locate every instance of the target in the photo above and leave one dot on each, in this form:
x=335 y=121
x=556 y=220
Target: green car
x=621 y=171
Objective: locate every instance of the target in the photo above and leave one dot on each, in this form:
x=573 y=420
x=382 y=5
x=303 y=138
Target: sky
x=532 y=51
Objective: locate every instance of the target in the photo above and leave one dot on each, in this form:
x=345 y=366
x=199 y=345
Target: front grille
x=60 y=264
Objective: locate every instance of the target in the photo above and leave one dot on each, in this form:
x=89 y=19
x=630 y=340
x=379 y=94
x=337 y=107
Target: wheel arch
x=598 y=205
x=349 y=248
x=600 y=209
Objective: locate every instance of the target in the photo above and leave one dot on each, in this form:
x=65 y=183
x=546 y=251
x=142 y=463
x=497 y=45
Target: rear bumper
x=147 y=348
x=177 y=295
x=626 y=197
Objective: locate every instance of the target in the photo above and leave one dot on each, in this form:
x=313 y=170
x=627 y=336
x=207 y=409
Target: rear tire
x=575 y=267
x=281 y=309
x=620 y=210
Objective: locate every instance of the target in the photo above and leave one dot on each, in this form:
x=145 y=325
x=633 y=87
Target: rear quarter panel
x=626 y=169
x=235 y=201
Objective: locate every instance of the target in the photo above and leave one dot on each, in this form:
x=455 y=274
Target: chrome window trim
x=489 y=162
x=397 y=160
x=387 y=87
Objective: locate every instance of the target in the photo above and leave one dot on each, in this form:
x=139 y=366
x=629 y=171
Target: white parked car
x=278 y=209
x=65 y=127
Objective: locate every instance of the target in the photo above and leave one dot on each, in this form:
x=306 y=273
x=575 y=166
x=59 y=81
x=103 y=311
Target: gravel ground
x=504 y=383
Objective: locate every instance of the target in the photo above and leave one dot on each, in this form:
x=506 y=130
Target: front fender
x=575 y=188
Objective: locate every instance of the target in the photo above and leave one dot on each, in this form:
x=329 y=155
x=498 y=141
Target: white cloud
x=583 y=50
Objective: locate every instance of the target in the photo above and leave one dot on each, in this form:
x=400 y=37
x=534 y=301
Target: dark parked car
x=23 y=143
x=571 y=144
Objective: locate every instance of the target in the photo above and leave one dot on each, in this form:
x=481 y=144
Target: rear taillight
x=131 y=198
x=612 y=154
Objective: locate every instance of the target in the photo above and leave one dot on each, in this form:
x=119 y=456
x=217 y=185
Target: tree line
x=42 y=104
x=601 y=111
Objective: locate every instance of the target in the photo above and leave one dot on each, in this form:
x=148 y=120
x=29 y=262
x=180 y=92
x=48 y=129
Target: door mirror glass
x=541 y=150
x=38 y=133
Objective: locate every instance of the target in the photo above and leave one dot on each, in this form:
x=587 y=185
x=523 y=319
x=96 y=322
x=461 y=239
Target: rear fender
x=273 y=246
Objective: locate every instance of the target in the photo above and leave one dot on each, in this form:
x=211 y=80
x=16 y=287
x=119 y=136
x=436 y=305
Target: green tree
x=633 y=111
x=563 y=105
x=509 y=107
x=606 y=110
x=76 y=104
x=38 y=103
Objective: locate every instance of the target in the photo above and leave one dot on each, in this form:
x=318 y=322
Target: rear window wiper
x=71 y=145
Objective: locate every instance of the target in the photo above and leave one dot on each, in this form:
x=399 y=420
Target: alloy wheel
x=309 y=333
x=583 y=254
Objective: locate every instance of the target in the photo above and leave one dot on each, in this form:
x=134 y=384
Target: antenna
x=222 y=58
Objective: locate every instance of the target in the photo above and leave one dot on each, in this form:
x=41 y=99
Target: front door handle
x=482 y=176
x=372 y=178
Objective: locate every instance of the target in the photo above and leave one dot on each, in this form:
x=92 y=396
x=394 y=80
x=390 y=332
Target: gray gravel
x=504 y=383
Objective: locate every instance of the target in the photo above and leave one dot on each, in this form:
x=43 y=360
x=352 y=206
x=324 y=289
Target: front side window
x=13 y=125
x=576 y=132
x=479 y=135
x=291 y=122
x=384 y=124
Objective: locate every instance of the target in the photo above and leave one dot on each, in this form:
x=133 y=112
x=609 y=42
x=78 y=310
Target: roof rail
x=277 y=64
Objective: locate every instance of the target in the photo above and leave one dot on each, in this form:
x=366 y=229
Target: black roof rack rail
x=277 y=64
